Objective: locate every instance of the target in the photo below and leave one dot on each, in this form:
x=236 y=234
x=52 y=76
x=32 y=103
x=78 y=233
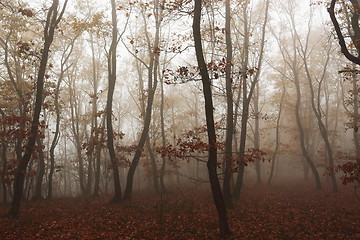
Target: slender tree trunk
x=40 y=172
x=163 y=138
x=56 y=136
x=257 y=133
x=153 y=167
x=154 y=52
x=245 y=109
x=302 y=141
x=4 y=165
x=317 y=112
x=90 y=176
x=212 y=158
x=74 y=111
x=95 y=130
x=302 y=134
x=98 y=148
x=230 y=111
x=112 y=81
x=247 y=96
x=295 y=71
x=53 y=18
x=277 y=136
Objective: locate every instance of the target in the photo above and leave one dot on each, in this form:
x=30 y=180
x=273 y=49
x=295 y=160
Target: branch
x=342 y=43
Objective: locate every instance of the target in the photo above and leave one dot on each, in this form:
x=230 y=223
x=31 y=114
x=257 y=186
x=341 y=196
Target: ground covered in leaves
x=279 y=212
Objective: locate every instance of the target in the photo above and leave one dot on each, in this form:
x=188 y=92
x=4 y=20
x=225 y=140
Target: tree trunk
x=112 y=80
x=317 y=112
x=154 y=53
x=302 y=134
x=245 y=109
x=247 y=96
x=4 y=168
x=163 y=138
x=53 y=18
x=230 y=110
x=74 y=111
x=212 y=158
x=40 y=172
x=257 y=133
x=277 y=136
x=153 y=167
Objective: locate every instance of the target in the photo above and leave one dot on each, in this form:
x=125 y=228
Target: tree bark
x=153 y=167
x=65 y=57
x=163 y=137
x=53 y=18
x=212 y=158
x=154 y=53
x=74 y=112
x=40 y=172
x=302 y=134
x=245 y=110
x=257 y=133
x=109 y=127
x=277 y=136
x=355 y=25
x=230 y=110
x=317 y=111
x=99 y=136
x=3 y=162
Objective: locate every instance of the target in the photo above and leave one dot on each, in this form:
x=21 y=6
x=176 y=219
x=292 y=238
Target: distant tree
x=153 y=49
x=277 y=134
x=292 y=59
x=315 y=101
x=249 y=78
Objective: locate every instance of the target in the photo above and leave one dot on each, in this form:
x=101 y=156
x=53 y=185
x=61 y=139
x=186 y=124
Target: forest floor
x=292 y=211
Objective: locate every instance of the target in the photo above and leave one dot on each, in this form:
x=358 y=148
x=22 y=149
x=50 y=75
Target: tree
x=248 y=91
x=291 y=58
x=52 y=20
x=152 y=69
x=277 y=134
x=305 y=53
x=63 y=68
x=109 y=127
x=230 y=108
x=209 y=112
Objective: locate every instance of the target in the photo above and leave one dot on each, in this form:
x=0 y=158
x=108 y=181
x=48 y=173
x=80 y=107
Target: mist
x=179 y=119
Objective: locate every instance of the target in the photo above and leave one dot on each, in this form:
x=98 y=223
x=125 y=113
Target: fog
x=124 y=100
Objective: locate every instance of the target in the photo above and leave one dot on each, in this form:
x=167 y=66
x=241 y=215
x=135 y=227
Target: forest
x=179 y=119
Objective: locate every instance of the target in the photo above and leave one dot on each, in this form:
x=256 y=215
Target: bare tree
x=109 y=102
x=230 y=108
x=153 y=51
x=209 y=112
